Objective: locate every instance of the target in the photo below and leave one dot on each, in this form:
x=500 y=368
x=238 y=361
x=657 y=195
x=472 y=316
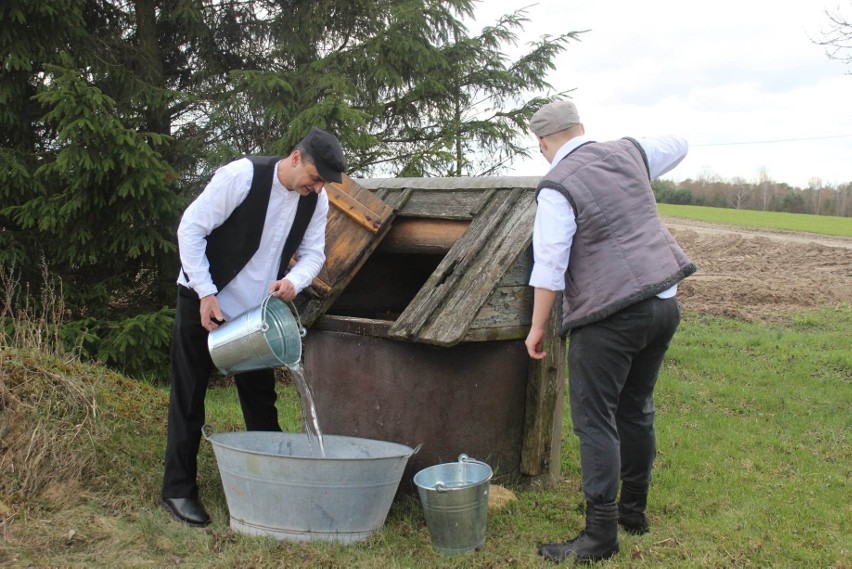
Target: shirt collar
x=277 y=186
x=568 y=148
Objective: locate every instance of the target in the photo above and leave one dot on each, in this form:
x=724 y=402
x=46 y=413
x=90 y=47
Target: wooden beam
x=545 y=387
x=423 y=235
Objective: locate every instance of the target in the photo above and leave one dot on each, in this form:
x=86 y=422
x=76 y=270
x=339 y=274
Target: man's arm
x=663 y=153
x=225 y=191
x=553 y=233
x=310 y=255
x=542 y=304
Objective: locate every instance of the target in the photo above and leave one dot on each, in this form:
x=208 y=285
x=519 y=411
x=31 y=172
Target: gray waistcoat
x=622 y=253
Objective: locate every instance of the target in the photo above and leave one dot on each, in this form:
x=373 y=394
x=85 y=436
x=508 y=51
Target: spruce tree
x=114 y=115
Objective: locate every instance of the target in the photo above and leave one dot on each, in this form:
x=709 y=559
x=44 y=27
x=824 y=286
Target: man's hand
x=542 y=303
x=534 y=343
x=283 y=289
x=211 y=315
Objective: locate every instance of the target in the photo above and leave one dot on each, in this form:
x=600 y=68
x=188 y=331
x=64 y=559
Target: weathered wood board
x=448 y=302
x=357 y=222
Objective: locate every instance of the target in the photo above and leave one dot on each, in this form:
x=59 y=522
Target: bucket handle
x=465 y=458
x=207 y=431
x=302 y=330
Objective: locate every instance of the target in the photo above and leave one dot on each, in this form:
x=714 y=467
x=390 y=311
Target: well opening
x=401 y=265
x=385 y=285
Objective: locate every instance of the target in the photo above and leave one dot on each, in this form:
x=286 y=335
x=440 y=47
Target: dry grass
x=27 y=325
x=61 y=422
x=48 y=412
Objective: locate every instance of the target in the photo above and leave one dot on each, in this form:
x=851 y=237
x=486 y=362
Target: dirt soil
x=761 y=275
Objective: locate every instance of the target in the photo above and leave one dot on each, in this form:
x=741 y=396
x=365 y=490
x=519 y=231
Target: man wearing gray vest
x=598 y=239
x=236 y=241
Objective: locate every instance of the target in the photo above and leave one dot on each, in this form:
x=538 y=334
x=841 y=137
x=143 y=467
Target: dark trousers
x=191 y=370
x=612 y=370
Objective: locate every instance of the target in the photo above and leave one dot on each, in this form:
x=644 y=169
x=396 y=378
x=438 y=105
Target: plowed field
x=761 y=275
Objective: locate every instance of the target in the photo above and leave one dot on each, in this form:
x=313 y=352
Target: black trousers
x=191 y=370
x=612 y=371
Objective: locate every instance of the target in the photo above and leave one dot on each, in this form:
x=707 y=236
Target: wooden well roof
x=479 y=291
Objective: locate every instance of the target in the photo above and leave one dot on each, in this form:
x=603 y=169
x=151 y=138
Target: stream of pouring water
x=309 y=410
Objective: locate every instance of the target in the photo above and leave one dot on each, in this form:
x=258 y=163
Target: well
x=418 y=324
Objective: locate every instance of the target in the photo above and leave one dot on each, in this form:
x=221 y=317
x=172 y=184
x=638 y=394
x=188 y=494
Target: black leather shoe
x=187 y=510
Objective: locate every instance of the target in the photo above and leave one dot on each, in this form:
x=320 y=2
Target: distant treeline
x=763 y=196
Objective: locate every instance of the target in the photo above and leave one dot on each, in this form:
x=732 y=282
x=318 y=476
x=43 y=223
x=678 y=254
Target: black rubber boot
x=597 y=542
x=631 y=510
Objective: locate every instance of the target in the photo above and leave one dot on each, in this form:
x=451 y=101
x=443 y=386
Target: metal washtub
x=277 y=485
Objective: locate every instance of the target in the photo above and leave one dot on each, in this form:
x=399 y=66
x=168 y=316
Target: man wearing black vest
x=236 y=241
x=598 y=239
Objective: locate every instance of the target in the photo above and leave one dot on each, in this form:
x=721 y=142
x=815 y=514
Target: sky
x=741 y=80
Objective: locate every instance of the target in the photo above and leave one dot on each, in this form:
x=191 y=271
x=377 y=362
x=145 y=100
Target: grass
x=753 y=468
x=820 y=224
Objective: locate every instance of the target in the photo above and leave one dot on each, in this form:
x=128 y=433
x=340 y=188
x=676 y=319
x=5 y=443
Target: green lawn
x=754 y=470
x=821 y=224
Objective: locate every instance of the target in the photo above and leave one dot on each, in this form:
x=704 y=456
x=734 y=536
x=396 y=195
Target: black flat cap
x=324 y=149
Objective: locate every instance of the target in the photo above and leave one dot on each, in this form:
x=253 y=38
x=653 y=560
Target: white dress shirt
x=227 y=189
x=555 y=226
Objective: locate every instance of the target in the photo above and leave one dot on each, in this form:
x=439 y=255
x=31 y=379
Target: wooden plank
x=452 y=183
x=545 y=386
x=362 y=215
x=443 y=204
x=508 y=306
x=483 y=201
x=352 y=325
x=449 y=272
x=496 y=334
x=447 y=304
x=397 y=198
x=357 y=221
x=519 y=273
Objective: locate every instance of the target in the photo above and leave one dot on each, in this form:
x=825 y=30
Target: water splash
x=310 y=420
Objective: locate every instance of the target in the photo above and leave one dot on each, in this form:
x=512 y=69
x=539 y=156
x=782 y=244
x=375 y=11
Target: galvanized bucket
x=264 y=337
x=277 y=485
x=455 y=502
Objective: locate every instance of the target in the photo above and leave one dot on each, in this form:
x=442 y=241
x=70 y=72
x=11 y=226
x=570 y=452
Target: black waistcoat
x=231 y=245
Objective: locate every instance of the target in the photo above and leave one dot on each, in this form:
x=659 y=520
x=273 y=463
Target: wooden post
x=540 y=449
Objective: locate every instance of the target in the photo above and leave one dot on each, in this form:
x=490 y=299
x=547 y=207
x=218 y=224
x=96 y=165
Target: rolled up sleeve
x=553 y=234
x=310 y=256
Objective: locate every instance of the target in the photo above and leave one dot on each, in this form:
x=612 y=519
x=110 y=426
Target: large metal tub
x=278 y=485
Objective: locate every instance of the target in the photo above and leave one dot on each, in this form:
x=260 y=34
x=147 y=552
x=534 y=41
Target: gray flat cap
x=554 y=117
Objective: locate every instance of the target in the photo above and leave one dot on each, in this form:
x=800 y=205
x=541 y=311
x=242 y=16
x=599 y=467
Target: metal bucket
x=264 y=337
x=277 y=485
x=455 y=502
